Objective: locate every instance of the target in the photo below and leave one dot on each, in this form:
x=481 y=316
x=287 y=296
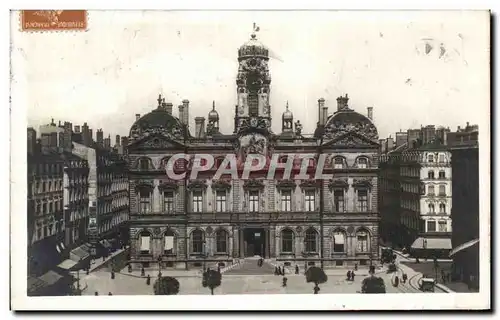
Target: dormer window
x=144 y=164
x=362 y=163
x=338 y=163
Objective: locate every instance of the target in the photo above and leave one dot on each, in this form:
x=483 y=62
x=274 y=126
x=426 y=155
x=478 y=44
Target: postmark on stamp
x=53 y=20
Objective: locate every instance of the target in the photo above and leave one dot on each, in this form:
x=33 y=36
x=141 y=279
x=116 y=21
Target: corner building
x=188 y=223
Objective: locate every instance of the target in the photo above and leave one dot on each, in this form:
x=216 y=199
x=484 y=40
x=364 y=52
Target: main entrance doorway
x=254 y=240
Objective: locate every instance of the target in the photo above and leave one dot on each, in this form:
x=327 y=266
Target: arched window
x=362 y=163
x=430 y=174
x=339 y=237
x=442 y=174
x=221 y=241
x=338 y=163
x=442 y=190
x=362 y=241
x=197 y=241
x=287 y=240
x=431 y=208
x=145 y=242
x=169 y=243
x=442 y=208
x=311 y=240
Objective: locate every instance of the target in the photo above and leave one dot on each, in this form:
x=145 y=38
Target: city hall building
x=192 y=222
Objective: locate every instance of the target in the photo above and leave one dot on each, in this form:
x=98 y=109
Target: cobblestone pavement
x=123 y=284
x=249 y=267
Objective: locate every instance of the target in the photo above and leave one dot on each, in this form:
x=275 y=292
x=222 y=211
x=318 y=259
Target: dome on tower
x=287 y=115
x=253 y=48
x=213 y=115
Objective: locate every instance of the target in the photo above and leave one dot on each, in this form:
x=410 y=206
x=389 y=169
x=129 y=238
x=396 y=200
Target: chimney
x=370 y=113
x=86 y=134
x=77 y=129
x=185 y=113
x=389 y=144
x=342 y=103
x=31 y=140
x=107 y=142
x=199 y=127
x=181 y=113
x=169 y=107
x=382 y=145
x=162 y=105
x=117 y=140
x=68 y=129
x=137 y=116
x=100 y=137
x=91 y=135
x=321 y=115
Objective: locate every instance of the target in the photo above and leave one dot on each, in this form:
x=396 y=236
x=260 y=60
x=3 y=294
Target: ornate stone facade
x=206 y=220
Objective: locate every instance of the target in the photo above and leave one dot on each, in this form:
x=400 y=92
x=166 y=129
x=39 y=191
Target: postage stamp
x=53 y=20
x=237 y=160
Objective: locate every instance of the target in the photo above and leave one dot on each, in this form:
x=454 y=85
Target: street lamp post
x=159 y=265
x=204 y=254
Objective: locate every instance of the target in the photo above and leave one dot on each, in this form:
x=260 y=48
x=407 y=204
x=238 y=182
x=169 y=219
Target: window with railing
x=442 y=174
x=441 y=158
x=362 y=200
x=311 y=240
x=338 y=200
x=220 y=201
x=168 y=201
x=442 y=225
x=253 y=201
x=145 y=201
x=442 y=190
x=197 y=201
x=287 y=240
x=310 y=200
x=362 y=243
x=430 y=190
x=430 y=158
x=221 y=237
x=286 y=200
x=197 y=242
x=430 y=174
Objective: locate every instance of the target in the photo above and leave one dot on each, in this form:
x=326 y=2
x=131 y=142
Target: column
x=242 y=243
x=156 y=199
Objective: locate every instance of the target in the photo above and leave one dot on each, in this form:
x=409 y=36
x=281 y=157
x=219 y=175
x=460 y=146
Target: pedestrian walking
x=352 y=275
x=276 y=272
x=110 y=294
x=296 y=269
x=143 y=273
x=96 y=294
x=112 y=275
x=396 y=281
x=349 y=275
x=148 y=280
x=355 y=267
x=405 y=277
x=285 y=279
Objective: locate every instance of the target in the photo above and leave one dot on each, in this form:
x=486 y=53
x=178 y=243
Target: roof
x=67 y=264
x=158 y=118
x=348 y=116
x=50 y=277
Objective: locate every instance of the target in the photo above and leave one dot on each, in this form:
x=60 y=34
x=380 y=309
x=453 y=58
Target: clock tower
x=253 y=87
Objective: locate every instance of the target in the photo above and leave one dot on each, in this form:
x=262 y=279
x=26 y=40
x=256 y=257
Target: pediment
x=351 y=140
x=155 y=142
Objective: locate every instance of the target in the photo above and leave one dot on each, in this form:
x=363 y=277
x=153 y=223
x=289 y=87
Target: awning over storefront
x=432 y=243
x=80 y=253
x=67 y=264
x=464 y=246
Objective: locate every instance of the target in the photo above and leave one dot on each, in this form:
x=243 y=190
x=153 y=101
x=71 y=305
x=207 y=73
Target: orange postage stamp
x=53 y=20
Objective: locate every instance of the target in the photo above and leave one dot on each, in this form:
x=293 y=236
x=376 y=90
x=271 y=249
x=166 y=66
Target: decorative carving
x=221 y=184
x=352 y=141
x=157 y=231
x=138 y=133
x=286 y=184
x=168 y=185
x=362 y=183
x=197 y=184
x=338 y=183
x=298 y=128
x=310 y=183
x=209 y=230
x=337 y=129
x=254 y=123
x=350 y=230
x=144 y=184
x=299 y=229
x=253 y=184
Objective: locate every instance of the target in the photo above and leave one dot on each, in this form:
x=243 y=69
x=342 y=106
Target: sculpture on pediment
x=168 y=185
x=310 y=183
x=253 y=184
x=144 y=184
x=338 y=183
x=362 y=183
x=298 y=128
x=221 y=184
x=336 y=129
x=197 y=184
x=286 y=184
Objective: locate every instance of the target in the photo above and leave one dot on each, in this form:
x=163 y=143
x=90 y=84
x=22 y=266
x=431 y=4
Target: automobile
x=427 y=284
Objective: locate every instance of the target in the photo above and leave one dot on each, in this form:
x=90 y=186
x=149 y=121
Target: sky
x=414 y=68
